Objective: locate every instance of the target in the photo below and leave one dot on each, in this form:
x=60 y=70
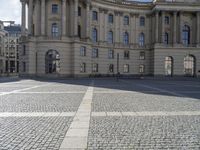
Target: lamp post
x=118 y=73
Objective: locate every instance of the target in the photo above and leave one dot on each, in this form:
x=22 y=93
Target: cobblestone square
x=79 y=114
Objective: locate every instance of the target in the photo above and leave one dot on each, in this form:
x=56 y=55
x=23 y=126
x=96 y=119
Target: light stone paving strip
x=145 y=114
x=77 y=135
x=37 y=114
x=69 y=92
x=24 y=89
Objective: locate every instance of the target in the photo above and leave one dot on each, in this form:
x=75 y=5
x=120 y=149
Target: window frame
x=94 y=35
x=54 y=30
x=111 y=18
x=141 y=68
x=126 y=68
x=142 y=39
x=110 y=54
x=95 y=68
x=94 y=15
x=95 y=52
x=83 y=67
x=142 y=21
x=142 y=55
x=126 y=54
x=54 y=8
x=110 y=37
x=126 y=20
x=82 y=51
x=126 y=38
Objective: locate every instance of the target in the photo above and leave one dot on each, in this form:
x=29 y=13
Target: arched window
x=142 y=21
x=189 y=65
x=126 y=38
x=110 y=18
x=54 y=30
x=141 y=39
x=110 y=37
x=168 y=66
x=94 y=35
x=52 y=62
x=186 y=35
x=166 y=38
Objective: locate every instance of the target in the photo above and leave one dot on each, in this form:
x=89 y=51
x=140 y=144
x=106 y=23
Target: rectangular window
x=126 y=68
x=141 y=68
x=94 y=67
x=95 y=53
x=126 y=55
x=110 y=18
x=142 y=21
x=166 y=20
x=83 y=68
x=24 y=66
x=126 y=20
x=142 y=55
x=54 y=8
x=111 y=54
x=111 y=68
x=83 y=51
x=94 y=16
x=79 y=31
x=79 y=11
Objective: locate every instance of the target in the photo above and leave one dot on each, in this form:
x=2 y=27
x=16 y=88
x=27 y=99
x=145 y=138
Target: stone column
x=198 y=28
x=157 y=25
x=106 y=26
x=87 y=19
x=43 y=17
x=163 y=27
x=175 y=26
x=121 y=25
x=101 y=31
x=116 y=16
x=132 y=21
x=75 y=17
x=63 y=17
x=23 y=22
x=180 y=27
x=30 y=17
x=37 y=22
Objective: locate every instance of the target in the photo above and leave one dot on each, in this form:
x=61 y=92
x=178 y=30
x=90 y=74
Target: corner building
x=86 y=38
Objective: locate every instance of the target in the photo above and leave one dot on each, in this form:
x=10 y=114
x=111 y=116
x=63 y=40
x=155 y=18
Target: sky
x=10 y=10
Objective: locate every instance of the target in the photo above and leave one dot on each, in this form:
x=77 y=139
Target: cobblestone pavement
x=144 y=133
x=33 y=132
x=40 y=102
x=78 y=114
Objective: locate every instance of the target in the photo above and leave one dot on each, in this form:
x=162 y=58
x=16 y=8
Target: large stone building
x=86 y=37
x=3 y=35
x=9 y=48
x=12 y=48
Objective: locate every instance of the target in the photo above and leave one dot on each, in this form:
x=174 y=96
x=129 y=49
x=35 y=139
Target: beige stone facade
x=86 y=37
